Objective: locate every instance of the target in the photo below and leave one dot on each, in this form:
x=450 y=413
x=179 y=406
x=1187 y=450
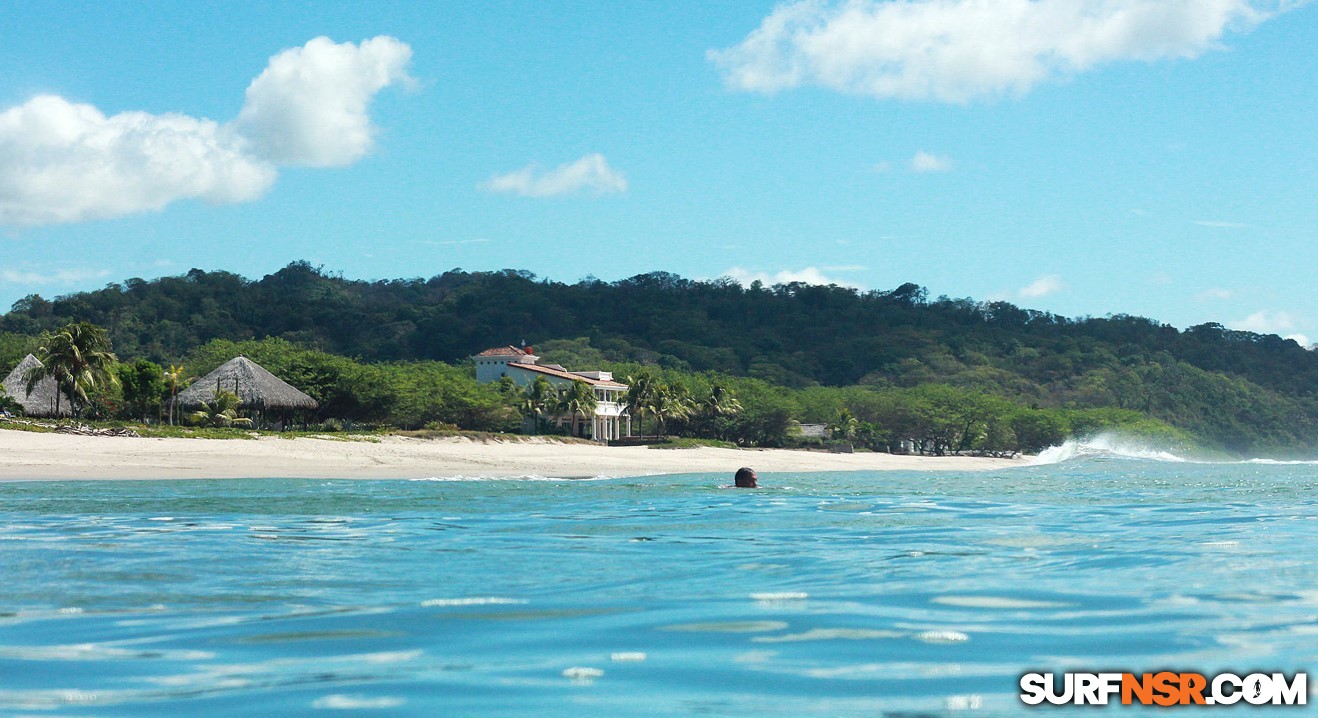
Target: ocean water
x=829 y=594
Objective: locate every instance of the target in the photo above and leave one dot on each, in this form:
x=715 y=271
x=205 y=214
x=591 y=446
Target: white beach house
x=611 y=420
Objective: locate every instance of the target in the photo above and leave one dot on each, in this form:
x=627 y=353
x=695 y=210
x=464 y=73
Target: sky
x=1085 y=157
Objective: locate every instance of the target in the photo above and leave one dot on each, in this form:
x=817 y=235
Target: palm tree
x=173 y=377
x=640 y=397
x=535 y=400
x=844 y=425
x=578 y=400
x=670 y=402
x=720 y=401
x=222 y=410
x=78 y=358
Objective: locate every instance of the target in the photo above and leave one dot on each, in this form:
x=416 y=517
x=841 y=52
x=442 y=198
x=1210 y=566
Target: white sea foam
x=1105 y=445
x=1116 y=445
x=780 y=596
x=582 y=674
x=472 y=601
x=627 y=656
x=941 y=637
x=345 y=702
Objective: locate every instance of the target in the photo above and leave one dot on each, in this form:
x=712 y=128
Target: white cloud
x=1043 y=286
x=925 y=162
x=1279 y=323
x=62 y=161
x=309 y=106
x=1218 y=224
x=808 y=275
x=1214 y=293
x=65 y=162
x=959 y=50
x=59 y=276
x=591 y=172
x=1265 y=322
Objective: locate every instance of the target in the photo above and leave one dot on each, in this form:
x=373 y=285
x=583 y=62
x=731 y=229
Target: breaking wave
x=1119 y=446
x=1106 y=446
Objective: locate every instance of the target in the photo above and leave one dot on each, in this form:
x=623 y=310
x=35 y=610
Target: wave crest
x=1107 y=445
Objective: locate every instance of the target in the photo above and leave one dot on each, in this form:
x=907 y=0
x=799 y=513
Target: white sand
x=27 y=455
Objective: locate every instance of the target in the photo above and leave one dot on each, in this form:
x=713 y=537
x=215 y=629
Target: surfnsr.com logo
x=1164 y=689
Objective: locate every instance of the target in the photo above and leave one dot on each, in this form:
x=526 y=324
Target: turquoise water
x=856 y=594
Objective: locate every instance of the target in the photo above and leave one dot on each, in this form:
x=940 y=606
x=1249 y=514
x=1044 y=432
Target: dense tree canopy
x=1239 y=390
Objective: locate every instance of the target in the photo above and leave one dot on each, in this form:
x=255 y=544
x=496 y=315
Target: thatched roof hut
x=258 y=388
x=41 y=402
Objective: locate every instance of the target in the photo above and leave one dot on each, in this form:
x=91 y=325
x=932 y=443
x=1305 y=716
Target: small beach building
x=41 y=402
x=258 y=389
x=611 y=420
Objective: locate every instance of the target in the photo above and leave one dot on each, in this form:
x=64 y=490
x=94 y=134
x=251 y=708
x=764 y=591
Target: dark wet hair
x=745 y=476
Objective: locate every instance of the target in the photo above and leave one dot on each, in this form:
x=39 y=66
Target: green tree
x=670 y=402
x=8 y=403
x=576 y=400
x=220 y=411
x=174 y=377
x=642 y=389
x=535 y=401
x=844 y=425
x=143 y=384
x=719 y=401
x=78 y=358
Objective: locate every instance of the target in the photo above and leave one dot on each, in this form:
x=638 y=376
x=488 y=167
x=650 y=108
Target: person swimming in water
x=746 y=478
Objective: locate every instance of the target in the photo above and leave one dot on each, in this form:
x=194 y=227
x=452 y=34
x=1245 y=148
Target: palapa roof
x=256 y=387
x=41 y=402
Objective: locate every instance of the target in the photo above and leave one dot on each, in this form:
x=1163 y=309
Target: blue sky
x=1087 y=157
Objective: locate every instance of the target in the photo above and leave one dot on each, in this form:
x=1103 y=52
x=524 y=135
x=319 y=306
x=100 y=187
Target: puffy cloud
x=66 y=162
x=62 y=161
x=1043 y=286
x=309 y=106
x=809 y=275
x=925 y=162
x=1280 y=323
x=1265 y=322
x=591 y=172
x=959 y=50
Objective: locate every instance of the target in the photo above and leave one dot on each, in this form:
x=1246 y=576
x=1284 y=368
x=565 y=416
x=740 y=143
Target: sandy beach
x=27 y=455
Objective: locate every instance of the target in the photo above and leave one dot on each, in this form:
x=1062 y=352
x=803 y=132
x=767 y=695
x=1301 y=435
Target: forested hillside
x=1239 y=390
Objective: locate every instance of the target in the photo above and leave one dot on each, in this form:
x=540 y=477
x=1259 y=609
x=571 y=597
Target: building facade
x=610 y=419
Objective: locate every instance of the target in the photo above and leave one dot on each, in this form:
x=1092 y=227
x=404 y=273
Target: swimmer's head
x=745 y=478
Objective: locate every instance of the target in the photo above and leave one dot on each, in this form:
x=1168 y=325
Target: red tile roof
x=508 y=351
x=568 y=375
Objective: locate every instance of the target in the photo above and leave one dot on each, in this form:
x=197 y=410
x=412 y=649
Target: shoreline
x=30 y=456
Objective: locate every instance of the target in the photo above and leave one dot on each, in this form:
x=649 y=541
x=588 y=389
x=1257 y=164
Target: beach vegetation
x=916 y=373
x=78 y=358
x=221 y=411
x=142 y=387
